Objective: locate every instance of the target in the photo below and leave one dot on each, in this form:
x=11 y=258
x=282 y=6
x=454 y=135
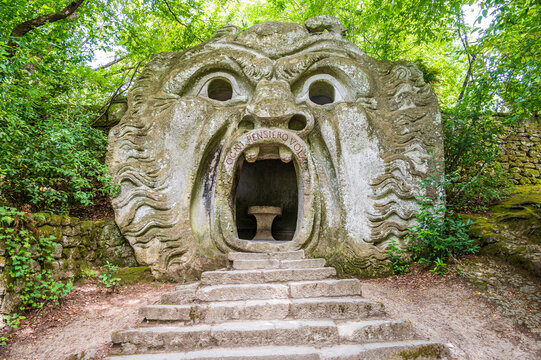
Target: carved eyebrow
x=291 y=67
x=243 y=63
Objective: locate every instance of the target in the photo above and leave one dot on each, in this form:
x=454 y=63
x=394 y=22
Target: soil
x=84 y=320
x=465 y=314
x=451 y=309
x=101 y=209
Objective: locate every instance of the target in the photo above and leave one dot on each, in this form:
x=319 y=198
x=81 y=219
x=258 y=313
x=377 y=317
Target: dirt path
x=449 y=309
x=86 y=320
x=454 y=312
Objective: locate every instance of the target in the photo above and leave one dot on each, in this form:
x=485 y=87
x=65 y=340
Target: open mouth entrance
x=266 y=200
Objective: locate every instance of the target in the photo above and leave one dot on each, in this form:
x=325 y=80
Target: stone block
x=164 y=338
x=242 y=292
x=182 y=295
x=277 y=264
x=323 y=288
x=274 y=332
x=376 y=330
x=286 y=255
x=262 y=276
x=48 y=230
x=335 y=308
x=72 y=230
x=57 y=251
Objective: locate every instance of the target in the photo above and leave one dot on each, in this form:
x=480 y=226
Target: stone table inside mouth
x=264 y=216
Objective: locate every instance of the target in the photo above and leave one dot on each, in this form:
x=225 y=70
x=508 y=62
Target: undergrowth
x=28 y=263
x=437 y=235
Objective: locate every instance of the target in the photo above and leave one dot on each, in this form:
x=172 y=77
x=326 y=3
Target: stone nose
x=273 y=105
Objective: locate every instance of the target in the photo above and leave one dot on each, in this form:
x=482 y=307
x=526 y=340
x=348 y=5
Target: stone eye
x=220 y=89
x=321 y=92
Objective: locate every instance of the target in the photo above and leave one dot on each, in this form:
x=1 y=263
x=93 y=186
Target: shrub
x=29 y=257
x=398 y=257
x=108 y=277
x=439 y=232
x=50 y=156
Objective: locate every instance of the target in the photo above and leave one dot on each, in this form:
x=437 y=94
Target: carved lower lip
x=272 y=144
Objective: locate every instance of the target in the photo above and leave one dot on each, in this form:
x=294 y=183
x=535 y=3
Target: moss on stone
x=134 y=275
x=512 y=231
x=430 y=351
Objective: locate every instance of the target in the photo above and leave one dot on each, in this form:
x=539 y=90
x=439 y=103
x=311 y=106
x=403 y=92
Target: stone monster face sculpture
x=289 y=118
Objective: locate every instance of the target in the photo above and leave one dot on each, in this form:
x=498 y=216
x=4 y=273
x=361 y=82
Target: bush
x=29 y=257
x=399 y=258
x=108 y=277
x=439 y=232
x=50 y=156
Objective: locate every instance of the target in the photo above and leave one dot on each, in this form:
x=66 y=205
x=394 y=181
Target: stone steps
x=260 y=276
x=286 y=255
x=387 y=350
x=300 y=289
x=271 y=306
x=268 y=309
x=277 y=264
x=260 y=332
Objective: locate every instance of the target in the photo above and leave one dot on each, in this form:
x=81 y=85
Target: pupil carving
x=220 y=89
x=321 y=93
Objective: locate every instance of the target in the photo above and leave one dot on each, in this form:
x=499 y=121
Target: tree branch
x=29 y=25
x=178 y=20
x=117 y=92
x=471 y=57
x=111 y=63
x=174 y=15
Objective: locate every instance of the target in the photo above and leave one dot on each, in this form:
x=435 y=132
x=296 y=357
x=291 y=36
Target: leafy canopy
x=54 y=82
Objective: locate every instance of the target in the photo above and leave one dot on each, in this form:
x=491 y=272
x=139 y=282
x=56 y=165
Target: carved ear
x=318 y=24
x=227 y=29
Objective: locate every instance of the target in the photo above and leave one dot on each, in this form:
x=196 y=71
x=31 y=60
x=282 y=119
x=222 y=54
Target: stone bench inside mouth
x=264 y=216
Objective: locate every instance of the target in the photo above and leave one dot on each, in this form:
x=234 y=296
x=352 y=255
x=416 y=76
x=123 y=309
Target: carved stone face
x=283 y=116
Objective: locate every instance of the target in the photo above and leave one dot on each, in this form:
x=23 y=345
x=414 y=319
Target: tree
x=50 y=90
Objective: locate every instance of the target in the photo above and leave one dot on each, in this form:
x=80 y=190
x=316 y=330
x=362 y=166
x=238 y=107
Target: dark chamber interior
x=267 y=183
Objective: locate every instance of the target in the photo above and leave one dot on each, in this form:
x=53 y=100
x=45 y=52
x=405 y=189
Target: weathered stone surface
x=182 y=295
x=416 y=349
x=278 y=264
x=339 y=140
x=332 y=287
x=335 y=308
x=520 y=153
x=271 y=321
x=242 y=292
x=275 y=332
x=512 y=232
x=286 y=255
x=266 y=309
x=376 y=330
x=261 y=276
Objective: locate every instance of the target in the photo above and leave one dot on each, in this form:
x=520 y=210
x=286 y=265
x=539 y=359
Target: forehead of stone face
x=270 y=35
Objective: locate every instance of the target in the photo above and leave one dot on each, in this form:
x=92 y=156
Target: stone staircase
x=271 y=306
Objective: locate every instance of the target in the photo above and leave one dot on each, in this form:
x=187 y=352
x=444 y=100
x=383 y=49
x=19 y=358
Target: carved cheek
x=353 y=127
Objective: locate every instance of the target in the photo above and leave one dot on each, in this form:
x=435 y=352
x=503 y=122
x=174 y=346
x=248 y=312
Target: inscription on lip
x=254 y=136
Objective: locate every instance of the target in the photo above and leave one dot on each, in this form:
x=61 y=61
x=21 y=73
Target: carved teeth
x=251 y=154
x=285 y=154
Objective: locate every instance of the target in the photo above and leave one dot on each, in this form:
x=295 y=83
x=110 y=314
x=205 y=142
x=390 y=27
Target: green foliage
x=398 y=255
x=29 y=257
x=12 y=321
x=440 y=267
x=108 y=277
x=88 y=273
x=439 y=233
x=50 y=156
